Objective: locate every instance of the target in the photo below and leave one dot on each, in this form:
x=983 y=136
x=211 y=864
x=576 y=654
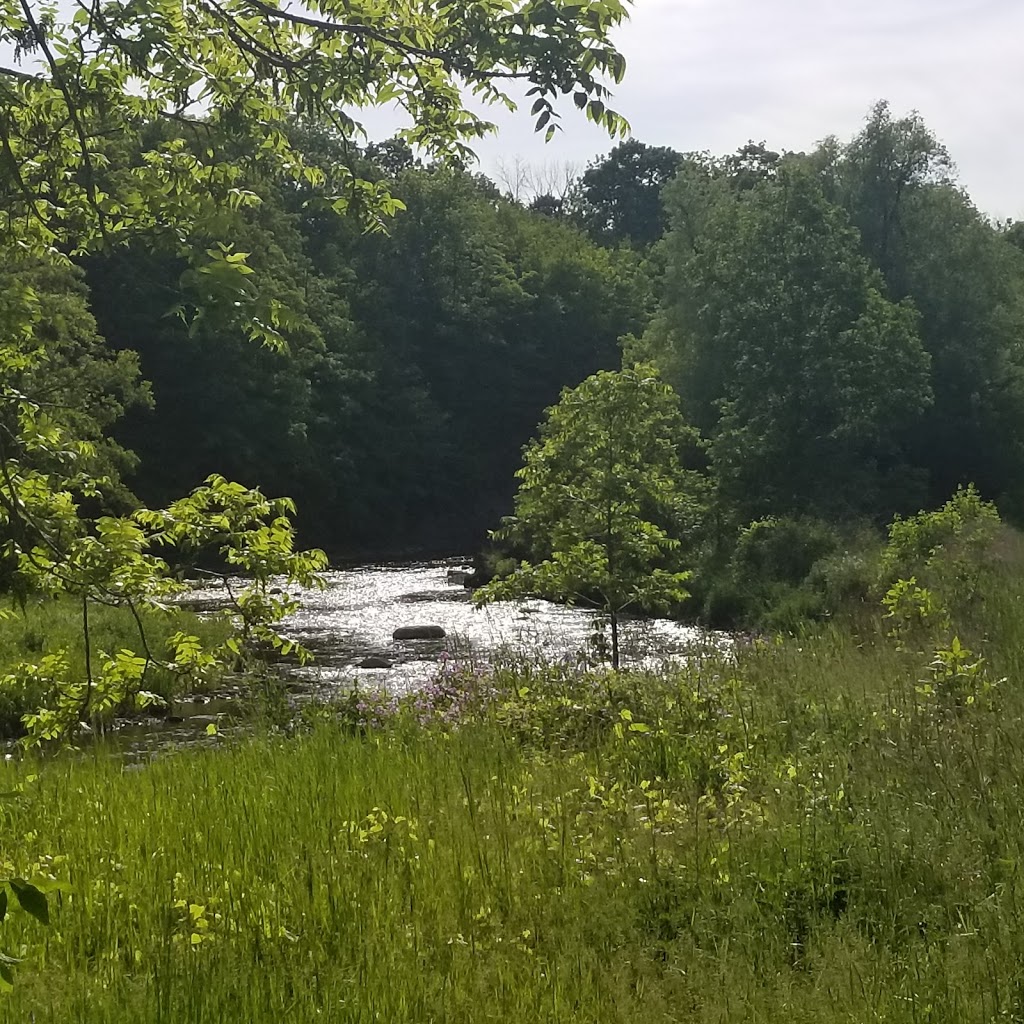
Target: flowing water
x=353 y=620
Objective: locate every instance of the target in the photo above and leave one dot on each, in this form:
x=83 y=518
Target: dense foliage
x=419 y=361
x=837 y=371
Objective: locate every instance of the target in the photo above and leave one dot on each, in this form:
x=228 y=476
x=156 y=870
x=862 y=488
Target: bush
x=946 y=551
x=792 y=609
x=47 y=634
x=763 y=583
x=781 y=550
x=847 y=577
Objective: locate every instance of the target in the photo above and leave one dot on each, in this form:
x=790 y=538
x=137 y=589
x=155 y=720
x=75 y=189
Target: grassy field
x=823 y=829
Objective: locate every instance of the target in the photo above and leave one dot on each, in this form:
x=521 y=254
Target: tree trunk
x=615 y=641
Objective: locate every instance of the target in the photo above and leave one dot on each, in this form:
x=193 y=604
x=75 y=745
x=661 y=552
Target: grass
x=821 y=829
x=49 y=625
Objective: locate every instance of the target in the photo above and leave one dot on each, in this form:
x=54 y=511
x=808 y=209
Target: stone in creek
x=418 y=633
x=373 y=662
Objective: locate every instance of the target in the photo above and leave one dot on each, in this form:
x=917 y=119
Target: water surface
x=354 y=617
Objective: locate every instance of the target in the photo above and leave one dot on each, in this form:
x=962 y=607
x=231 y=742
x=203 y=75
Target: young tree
x=604 y=500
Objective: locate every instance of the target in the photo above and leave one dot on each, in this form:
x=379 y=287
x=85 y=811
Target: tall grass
x=46 y=626
x=813 y=830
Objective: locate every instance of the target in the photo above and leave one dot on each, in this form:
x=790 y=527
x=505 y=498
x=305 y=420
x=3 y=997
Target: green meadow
x=825 y=827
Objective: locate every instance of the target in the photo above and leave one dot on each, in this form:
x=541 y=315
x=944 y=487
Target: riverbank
x=348 y=626
x=818 y=829
x=52 y=627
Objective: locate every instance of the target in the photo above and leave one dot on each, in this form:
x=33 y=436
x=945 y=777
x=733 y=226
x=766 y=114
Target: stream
x=352 y=621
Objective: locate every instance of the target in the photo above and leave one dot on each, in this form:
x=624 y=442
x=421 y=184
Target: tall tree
x=878 y=176
x=798 y=370
x=937 y=251
x=618 y=198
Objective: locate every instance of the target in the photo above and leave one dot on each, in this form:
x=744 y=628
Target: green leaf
x=31 y=899
x=3 y=904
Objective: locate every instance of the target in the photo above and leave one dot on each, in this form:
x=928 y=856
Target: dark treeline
x=844 y=329
x=419 y=359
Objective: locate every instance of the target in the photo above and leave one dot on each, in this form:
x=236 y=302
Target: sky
x=713 y=74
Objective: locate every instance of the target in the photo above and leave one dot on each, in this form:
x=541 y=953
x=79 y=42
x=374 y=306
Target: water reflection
x=352 y=621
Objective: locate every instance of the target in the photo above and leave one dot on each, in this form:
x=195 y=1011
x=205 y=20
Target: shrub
x=781 y=550
x=846 y=577
x=945 y=551
x=763 y=584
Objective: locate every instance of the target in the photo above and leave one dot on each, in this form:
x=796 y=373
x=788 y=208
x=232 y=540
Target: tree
x=878 y=174
x=801 y=374
x=965 y=278
x=1013 y=232
x=90 y=386
x=226 y=78
x=604 y=500
x=618 y=199
x=486 y=309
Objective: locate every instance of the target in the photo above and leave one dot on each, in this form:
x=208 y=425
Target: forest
x=777 y=395
x=842 y=328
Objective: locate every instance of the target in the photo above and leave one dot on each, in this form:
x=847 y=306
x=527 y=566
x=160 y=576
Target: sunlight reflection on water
x=354 y=618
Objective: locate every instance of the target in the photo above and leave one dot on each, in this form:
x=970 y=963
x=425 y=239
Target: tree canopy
x=225 y=78
x=798 y=369
x=618 y=199
x=604 y=500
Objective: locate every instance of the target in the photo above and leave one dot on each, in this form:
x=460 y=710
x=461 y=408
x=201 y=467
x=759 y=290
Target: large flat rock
x=418 y=633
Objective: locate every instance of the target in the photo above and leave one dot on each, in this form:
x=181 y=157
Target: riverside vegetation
x=820 y=828
x=784 y=357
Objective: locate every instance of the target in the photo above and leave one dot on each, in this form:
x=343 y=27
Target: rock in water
x=375 y=662
x=418 y=633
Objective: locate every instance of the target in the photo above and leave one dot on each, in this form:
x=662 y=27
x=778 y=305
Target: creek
x=353 y=618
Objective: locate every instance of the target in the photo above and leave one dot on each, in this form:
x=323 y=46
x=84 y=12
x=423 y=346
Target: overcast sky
x=712 y=74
